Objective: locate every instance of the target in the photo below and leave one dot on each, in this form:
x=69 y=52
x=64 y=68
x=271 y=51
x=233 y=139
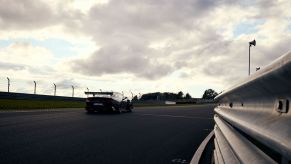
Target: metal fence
x=67 y=88
x=252 y=119
x=17 y=85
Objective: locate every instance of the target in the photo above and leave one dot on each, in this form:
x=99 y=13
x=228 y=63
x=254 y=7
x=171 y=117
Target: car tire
x=90 y=111
x=117 y=110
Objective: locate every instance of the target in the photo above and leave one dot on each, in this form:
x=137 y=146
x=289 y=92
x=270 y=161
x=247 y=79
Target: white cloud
x=26 y=54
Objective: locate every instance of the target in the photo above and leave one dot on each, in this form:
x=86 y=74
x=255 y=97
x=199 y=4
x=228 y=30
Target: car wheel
x=129 y=108
x=117 y=110
x=90 y=111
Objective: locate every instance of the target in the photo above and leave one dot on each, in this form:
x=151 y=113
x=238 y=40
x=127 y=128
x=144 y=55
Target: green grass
x=39 y=104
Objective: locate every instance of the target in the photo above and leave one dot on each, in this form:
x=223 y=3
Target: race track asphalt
x=147 y=135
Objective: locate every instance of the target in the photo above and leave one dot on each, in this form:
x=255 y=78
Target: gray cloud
x=234 y=65
x=124 y=30
x=116 y=59
x=43 y=70
x=11 y=66
x=67 y=83
x=148 y=19
x=35 y=14
x=24 y=14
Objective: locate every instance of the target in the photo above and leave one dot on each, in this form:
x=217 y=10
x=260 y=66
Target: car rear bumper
x=99 y=108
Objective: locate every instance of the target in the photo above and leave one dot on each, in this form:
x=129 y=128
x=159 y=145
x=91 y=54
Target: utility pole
x=8 y=84
x=73 y=91
x=250 y=44
x=55 y=90
x=34 y=87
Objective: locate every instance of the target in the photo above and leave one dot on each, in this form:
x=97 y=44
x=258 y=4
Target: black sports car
x=107 y=101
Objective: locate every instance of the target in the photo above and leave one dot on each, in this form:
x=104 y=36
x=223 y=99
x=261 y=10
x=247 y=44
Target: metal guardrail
x=253 y=118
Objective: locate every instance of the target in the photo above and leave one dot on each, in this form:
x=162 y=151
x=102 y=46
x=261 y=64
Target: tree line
x=208 y=94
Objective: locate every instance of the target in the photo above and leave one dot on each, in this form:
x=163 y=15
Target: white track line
x=175 y=116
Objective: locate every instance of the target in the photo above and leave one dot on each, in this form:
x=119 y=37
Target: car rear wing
x=99 y=93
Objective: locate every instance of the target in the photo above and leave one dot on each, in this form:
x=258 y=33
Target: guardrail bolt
x=230 y=104
x=282 y=105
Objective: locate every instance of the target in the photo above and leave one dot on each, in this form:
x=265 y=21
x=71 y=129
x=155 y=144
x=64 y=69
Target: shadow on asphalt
x=106 y=113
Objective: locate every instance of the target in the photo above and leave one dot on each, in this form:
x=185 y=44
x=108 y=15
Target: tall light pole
x=8 y=84
x=34 y=91
x=250 y=44
x=55 y=89
x=131 y=95
x=73 y=91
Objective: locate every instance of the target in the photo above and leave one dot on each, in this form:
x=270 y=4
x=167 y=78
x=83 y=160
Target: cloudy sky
x=138 y=45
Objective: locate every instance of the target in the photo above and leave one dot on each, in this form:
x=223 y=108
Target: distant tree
x=209 y=94
x=151 y=96
x=166 y=96
x=135 y=98
x=160 y=96
x=180 y=95
x=188 y=96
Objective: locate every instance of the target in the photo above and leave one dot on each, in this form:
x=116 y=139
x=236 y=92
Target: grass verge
x=39 y=104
